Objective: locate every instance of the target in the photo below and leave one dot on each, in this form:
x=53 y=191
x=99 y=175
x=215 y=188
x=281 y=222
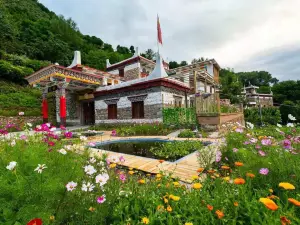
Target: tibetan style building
x=254 y=99
x=134 y=90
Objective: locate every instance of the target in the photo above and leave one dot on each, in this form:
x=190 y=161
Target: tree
x=173 y=64
x=183 y=63
x=231 y=88
x=149 y=54
x=132 y=50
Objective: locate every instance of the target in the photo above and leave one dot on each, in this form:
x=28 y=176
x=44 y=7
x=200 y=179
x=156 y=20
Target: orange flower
x=220 y=214
x=169 y=208
x=200 y=170
x=210 y=171
x=210 y=207
x=225 y=167
x=294 y=202
x=160 y=208
x=284 y=220
x=251 y=175
x=141 y=181
x=238 y=164
x=236 y=204
x=269 y=203
x=239 y=181
x=161 y=161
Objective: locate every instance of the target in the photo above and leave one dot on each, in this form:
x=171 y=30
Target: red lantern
x=35 y=221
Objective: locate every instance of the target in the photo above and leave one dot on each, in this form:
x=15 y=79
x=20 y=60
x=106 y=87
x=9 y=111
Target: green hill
x=32 y=37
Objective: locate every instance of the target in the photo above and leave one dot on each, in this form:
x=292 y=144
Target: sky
x=240 y=34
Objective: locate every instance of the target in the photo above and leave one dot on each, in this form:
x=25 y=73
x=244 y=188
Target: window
x=137 y=110
x=112 y=111
x=121 y=72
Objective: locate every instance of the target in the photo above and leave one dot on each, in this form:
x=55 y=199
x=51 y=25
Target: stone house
x=254 y=99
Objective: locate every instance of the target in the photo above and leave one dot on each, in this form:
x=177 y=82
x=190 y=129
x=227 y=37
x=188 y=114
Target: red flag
x=159 y=37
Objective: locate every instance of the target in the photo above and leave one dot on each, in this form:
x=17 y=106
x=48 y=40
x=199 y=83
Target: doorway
x=88 y=113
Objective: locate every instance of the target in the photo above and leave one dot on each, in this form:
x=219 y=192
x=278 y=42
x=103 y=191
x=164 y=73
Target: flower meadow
x=51 y=178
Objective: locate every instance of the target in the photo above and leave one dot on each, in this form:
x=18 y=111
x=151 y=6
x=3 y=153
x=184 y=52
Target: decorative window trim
x=111 y=101
x=137 y=98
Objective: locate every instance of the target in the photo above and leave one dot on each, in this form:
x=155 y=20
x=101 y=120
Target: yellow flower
x=158 y=175
x=145 y=220
x=271 y=190
x=197 y=185
x=158 y=185
x=226 y=178
x=160 y=208
x=169 y=208
x=141 y=181
x=176 y=184
x=52 y=218
x=175 y=198
x=287 y=186
x=148 y=174
x=112 y=165
x=130 y=168
x=188 y=224
x=195 y=177
x=270 y=204
x=92 y=209
x=166 y=200
x=130 y=172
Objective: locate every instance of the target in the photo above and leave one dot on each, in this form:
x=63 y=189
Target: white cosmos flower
x=53 y=129
x=250 y=125
x=277 y=130
x=291 y=117
x=40 y=168
x=87 y=186
x=83 y=138
x=279 y=125
x=68 y=147
x=38 y=127
x=11 y=165
x=290 y=125
x=102 y=179
x=89 y=169
x=48 y=124
x=62 y=151
x=92 y=160
x=13 y=143
x=71 y=186
x=114 y=159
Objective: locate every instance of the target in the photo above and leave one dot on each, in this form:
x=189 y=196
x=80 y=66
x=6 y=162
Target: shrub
x=186 y=134
x=176 y=149
x=270 y=115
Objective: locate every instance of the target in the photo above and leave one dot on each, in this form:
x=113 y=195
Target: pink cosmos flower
x=51 y=143
x=287 y=144
x=253 y=140
x=218 y=156
x=261 y=153
x=68 y=134
x=21 y=113
x=258 y=147
x=122 y=159
x=246 y=143
x=122 y=177
x=266 y=141
x=92 y=144
x=62 y=127
x=113 y=133
x=264 y=171
x=239 y=130
x=101 y=199
x=234 y=149
x=23 y=137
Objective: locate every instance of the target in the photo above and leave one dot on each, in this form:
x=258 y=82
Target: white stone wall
x=126 y=68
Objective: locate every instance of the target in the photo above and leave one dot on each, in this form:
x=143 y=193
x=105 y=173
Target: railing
x=207 y=104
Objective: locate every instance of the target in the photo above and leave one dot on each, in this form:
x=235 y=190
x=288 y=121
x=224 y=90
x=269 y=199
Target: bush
x=270 y=115
x=289 y=107
x=186 y=134
x=176 y=149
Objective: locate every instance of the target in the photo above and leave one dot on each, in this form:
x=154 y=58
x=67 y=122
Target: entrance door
x=88 y=113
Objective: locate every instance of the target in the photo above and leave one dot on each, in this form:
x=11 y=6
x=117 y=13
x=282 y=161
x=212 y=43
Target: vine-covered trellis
x=179 y=116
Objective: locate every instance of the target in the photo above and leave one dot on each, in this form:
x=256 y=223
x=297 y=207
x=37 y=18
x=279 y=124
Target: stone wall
x=132 y=74
x=20 y=120
x=154 y=100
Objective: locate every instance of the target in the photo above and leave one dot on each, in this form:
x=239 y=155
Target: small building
x=134 y=67
x=140 y=100
x=255 y=99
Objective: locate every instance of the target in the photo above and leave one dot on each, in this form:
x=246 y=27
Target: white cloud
x=234 y=32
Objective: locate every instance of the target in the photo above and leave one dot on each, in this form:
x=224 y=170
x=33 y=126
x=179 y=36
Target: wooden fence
x=207 y=104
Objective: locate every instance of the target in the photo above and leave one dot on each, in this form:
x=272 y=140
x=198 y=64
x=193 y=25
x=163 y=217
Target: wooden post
x=195 y=81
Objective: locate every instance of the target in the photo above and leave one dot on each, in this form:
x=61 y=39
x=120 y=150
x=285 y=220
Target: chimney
x=136 y=52
x=107 y=63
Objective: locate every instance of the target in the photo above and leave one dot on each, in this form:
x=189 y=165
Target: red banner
x=159 y=36
x=45 y=109
x=63 y=108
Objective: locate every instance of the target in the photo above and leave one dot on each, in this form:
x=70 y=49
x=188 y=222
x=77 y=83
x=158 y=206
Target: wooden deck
x=183 y=169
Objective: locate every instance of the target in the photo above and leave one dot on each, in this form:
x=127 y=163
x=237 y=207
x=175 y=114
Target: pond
x=141 y=147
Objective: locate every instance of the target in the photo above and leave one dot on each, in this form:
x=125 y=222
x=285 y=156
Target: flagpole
x=157 y=35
